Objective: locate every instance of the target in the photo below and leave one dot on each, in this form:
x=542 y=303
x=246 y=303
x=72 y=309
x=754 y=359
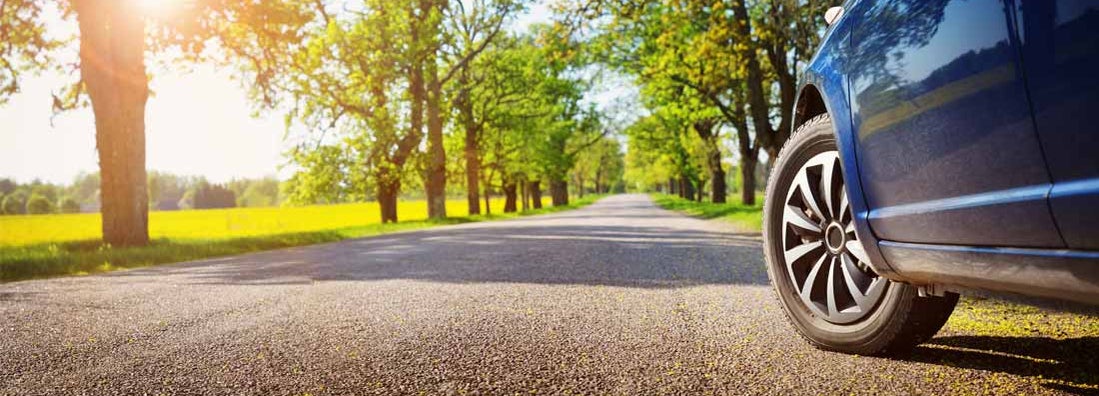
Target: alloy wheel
x=824 y=258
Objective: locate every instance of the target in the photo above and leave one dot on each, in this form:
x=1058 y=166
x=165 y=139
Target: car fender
x=824 y=80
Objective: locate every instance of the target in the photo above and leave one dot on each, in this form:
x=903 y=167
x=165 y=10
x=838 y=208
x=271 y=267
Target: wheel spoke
x=843 y=204
x=874 y=291
x=799 y=251
x=832 y=311
x=855 y=247
x=826 y=178
x=798 y=218
x=807 y=194
x=849 y=270
x=807 y=286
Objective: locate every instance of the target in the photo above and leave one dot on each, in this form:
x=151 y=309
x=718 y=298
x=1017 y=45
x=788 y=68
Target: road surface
x=620 y=297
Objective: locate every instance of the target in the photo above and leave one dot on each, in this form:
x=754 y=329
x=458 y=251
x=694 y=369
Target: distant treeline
x=166 y=192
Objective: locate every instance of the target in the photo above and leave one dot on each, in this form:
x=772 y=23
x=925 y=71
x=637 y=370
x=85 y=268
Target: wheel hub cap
x=835 y=237
x=824 y=258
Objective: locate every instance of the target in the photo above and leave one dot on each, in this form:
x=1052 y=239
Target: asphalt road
x=617 y=298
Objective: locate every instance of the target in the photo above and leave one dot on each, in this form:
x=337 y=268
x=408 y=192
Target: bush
x=12 y=204
x=69 y=205
x=39 y=204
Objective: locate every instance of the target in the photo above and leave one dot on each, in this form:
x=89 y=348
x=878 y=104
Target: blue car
x=939 y=147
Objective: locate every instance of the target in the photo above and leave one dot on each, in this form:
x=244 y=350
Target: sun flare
x=156 y=7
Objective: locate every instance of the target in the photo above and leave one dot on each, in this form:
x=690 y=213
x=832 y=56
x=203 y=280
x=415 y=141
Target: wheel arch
x=809 y=104
x=823 y=91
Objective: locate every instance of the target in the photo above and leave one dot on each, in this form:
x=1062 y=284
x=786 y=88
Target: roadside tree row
x=387 y=96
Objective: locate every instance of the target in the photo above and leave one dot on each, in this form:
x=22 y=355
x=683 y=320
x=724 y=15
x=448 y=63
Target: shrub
x=39 y=204
x=69 y=205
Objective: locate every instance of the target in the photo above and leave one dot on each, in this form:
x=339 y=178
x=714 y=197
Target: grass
x=1048 y=347
x=57 y=245
x=979 y=316
x=748 y=218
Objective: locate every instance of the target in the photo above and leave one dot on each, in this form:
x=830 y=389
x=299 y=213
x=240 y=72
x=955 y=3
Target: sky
x=197 y=123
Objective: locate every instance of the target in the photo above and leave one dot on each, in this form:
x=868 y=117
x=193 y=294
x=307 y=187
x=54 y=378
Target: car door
x=1060 y=41
x=947 y=150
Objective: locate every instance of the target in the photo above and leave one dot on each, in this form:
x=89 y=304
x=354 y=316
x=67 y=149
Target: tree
x=38 y=204
x=50 y=191
x=786 y=32
x=14 y=203
x=213 y=196
x=601 y=164
x=501 y=108
x=70 y=205
x=665 y=140
x=569 y=126
x=187 y=201
x=324 y=177
x=473 y=25
x=85 y=188
x=258 y=193
x=24 y=45
x=679 y=54
x=739 y=57
x=485 y=87
x=112 y=45
x=112 y=73
x=357 y=78
x=7 y=186
x=166 y=190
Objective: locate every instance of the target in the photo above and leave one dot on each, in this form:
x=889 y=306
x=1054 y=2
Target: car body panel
x=994 y=266
x=1070 y=275
x=948 y=152
x=1060 y=50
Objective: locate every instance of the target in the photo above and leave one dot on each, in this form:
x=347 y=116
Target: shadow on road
x=511 y=252
x=1069 y=365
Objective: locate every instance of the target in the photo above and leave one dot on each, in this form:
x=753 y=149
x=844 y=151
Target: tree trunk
x=509 y=196
x=524 y=193
x=472 y=151
x=688 y=189
x=387 y=200
x=580 y=186
x=536 y=194
x=772 y=153
x=706 y=131
x=758 y=103
x=599 y=178
x=559 y=192
x=112 y=67
x=435 y=184
x=718 y=195
x=748 y=180
x=488 y=194
x=672 y=187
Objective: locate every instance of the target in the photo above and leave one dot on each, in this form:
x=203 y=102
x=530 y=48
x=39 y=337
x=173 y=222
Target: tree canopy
x=436 y=98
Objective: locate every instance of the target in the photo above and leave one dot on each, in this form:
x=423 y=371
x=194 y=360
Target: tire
x=818 y=267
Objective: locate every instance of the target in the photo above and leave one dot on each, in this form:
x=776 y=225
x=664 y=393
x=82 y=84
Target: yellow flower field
x=219 y=223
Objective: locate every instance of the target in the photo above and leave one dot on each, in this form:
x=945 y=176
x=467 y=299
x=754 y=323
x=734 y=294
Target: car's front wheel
x=817 y=263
